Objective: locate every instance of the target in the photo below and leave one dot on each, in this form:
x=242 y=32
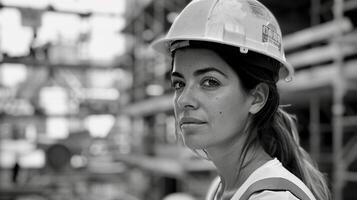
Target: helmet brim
x=162 y=45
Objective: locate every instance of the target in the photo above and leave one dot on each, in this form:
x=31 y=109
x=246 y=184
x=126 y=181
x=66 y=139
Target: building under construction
x=116 y=138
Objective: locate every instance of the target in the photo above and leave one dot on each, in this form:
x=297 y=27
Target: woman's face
x=211 y=107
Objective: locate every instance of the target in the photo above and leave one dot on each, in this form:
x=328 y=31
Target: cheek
x=231 y=112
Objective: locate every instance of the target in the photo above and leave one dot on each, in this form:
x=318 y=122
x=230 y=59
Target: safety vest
x=272 y=176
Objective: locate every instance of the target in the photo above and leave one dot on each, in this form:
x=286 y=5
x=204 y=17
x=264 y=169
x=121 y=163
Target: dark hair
x=276 y=129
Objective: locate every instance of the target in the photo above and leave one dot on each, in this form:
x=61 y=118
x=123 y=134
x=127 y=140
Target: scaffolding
x=335 y=82
x=343 y=154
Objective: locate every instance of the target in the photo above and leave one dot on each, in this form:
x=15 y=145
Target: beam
x=319 y=55
x=318 y=77
x=50 y=8
x=28 y=61
x=350 y=5
x=316 y=33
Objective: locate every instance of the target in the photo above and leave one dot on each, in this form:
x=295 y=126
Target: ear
x=260 y=95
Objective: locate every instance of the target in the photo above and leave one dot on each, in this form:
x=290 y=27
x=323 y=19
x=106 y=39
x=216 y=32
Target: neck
x=228 y=161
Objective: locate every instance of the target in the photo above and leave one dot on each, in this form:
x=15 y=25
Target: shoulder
x=273 y=195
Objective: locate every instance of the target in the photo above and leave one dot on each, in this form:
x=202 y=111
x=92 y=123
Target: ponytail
x=288 y=150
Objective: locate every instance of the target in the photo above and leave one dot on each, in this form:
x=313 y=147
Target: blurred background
x=86 y=110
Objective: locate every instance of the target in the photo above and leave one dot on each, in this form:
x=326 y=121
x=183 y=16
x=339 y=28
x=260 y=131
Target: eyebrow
x=200 y=72
x=208 y=69
x=177 y=74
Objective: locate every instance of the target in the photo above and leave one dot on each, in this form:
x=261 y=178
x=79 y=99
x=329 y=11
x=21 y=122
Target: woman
x=227 y=57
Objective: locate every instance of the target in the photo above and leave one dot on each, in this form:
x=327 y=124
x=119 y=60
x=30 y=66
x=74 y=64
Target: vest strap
x=275 y=184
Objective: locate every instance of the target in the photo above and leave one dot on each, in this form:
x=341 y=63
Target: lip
x=191 y=121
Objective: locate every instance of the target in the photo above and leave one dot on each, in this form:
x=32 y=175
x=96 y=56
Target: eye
x=210 y=82
x=177 y=84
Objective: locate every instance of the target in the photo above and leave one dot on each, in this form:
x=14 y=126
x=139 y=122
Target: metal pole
x=338 y=111
x=315 y=133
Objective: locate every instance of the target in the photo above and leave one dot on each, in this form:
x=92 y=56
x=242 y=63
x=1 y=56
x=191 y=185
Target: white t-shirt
x=270 y=169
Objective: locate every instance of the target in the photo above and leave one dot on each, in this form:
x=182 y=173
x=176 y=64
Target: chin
x=195 y=139
x=194 y=144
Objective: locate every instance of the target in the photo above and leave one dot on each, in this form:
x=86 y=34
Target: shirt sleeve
x=273 y=195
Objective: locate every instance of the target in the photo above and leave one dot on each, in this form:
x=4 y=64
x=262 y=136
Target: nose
x=186 y=99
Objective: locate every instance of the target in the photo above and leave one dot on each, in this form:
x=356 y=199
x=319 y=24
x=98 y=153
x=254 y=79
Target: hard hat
x=246 y=24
